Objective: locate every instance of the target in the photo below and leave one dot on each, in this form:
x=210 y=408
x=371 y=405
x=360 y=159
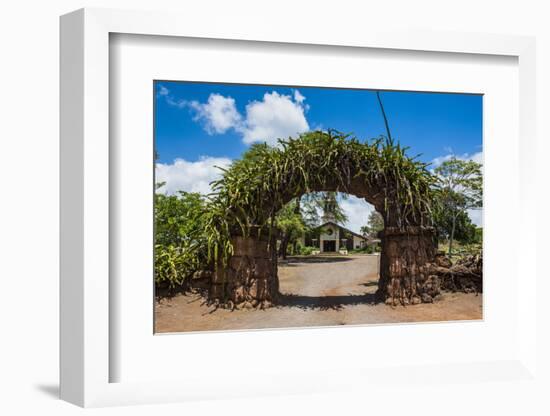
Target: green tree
x=375 y=224
x=464 y=229
x=290 y=224
x=313 y=203
x=309 y=211
x=478 y=236
x=181 y=246
x=459 y=188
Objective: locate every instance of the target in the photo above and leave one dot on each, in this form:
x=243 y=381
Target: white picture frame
x=85 y=352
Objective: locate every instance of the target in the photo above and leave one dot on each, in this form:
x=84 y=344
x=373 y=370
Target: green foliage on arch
x=249 y=194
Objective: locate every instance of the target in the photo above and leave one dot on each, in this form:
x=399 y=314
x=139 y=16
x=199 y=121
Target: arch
x=255 y=188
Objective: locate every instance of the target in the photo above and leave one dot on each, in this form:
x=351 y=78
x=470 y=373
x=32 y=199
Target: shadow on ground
x=290 y=261
x=51 y=390
x=324 y=302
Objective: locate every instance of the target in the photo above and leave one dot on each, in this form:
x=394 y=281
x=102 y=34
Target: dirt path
x=316 y=291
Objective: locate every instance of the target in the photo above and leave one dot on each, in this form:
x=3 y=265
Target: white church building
x=334 y=238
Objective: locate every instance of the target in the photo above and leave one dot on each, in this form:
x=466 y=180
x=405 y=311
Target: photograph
x=222 y=207
x=284 y=206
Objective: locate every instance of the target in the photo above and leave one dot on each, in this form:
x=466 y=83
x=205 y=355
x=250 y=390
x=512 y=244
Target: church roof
x=343 y=228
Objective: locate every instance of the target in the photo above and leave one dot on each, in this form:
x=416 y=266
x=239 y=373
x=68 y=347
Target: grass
x=460 y=249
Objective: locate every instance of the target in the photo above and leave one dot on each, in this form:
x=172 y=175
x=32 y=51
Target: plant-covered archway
x=240 y=221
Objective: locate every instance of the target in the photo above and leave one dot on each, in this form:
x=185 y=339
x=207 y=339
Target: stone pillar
x=405 y=265
x=250 y=277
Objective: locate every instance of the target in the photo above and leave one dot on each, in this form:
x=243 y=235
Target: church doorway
x=329 y=246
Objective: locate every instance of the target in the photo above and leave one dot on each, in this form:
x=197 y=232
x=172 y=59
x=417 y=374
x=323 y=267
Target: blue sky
x=202 y=125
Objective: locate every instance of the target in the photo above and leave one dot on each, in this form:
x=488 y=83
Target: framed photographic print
x=308 y=244
x=292 y=211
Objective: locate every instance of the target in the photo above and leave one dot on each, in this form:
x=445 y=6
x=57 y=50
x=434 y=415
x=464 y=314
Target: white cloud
x=276 y=116
x=476 y=157
x=219 y=114
x=190 y=176
x=176 y=103
x=298 y=97
x=357 y=211
x=169 y=98
x=438 y=161
x=163 y=90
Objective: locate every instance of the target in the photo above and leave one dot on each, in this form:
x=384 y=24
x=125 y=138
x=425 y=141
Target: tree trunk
x=451 y=237
x=250 y=277
x=404 y=266
x=284 y=246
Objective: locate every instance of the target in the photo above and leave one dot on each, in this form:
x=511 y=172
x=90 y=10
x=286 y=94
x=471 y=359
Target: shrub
x=170 y=266
x=307 y=250
x=369 y=249
x=181 y=247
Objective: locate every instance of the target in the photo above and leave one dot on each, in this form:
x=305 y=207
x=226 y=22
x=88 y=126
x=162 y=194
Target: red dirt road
x=317 y=291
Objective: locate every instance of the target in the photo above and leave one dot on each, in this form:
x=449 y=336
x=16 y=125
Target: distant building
x=334 y=238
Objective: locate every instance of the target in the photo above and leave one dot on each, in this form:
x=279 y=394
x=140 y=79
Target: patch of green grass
x=460 y=249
